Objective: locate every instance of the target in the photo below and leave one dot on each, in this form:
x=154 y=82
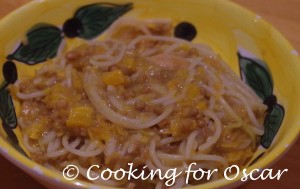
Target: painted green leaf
x=42 y=43
x=256 y=76
x=96 y=18
x=12 y=139
x=7 y=109
x=272 y=124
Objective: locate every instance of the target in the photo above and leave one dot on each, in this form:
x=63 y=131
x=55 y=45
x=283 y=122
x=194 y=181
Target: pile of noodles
x=226 y=96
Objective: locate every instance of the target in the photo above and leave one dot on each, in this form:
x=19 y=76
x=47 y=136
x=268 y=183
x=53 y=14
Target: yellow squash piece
x=81 y=116
x=113 y=78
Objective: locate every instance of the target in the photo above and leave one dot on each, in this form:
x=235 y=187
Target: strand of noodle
x=36 y=94
x=179 y=183
x=188 y=80
x=109 y=50
x=218 y=129
x=149 y=52
x=75 y=143
x=172 y=48
x=249 y=112
x=92 y=145
x=225 y=104
x=132 y=101
x=108 y=113
x=124 y=149
x=168 y=140
x=85 y=145
x=159 y=185
x=50 y=81
x=154 y=157
x=212 y=103
x=172 y=157
x=112 y=61
x=158 y=88
x=155 y=38
x=63 y=62
x=33 y=150
x=163 y=99
x=113 y=100
x=131 y=147
x=60 y=50
x=81 y=153
x=222 y=101
x=48 y=137
x=245 y=144
x=49 y=68
x=251 y=98
x=205 y=157
x=56 y=154
x=190 y=141
x=182 y=147
x=53 y=145
x=68 y=72
x=21 y=123
x=110 y=147
x=37 y=80
x=135 y=76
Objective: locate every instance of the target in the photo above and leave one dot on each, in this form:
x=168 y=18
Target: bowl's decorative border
x=43 y=41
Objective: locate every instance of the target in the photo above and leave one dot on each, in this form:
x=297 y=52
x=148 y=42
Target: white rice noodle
x=179 y=183
x=205 y=157
x=112 y=57
x=113 y=99
x=101 y=106
x=68 y=72
x=218 y=129
x=168 y=140
x=56 y=154
x=110 y=147
x=27 y=96
x=53 y=145
x=157 y=162
x=21 y=123
x=188 y=80
x=48 y=137
x=258 y=129
x=28 y=146
x=81 y=153
x=170 y=157
x=190 y=142
x=168 y=98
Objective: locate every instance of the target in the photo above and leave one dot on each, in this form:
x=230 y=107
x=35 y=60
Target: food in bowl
x=139 y=96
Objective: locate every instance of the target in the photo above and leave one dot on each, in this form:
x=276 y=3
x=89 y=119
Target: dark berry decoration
x=72 y=27
x=185 y=30
x=10 y=73
x=271 y=101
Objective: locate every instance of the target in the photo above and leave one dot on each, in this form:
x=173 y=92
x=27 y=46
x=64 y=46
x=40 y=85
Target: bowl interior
x=221 y=24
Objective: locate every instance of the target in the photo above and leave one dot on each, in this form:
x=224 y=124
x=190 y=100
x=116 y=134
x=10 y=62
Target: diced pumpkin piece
x=193 y=91
x=113 y=78
x=36 y=130
x=129 y=63
x=201 y=106
x=81 y=116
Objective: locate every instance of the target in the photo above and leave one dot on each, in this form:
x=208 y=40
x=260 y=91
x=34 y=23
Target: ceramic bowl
x=251 y=46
